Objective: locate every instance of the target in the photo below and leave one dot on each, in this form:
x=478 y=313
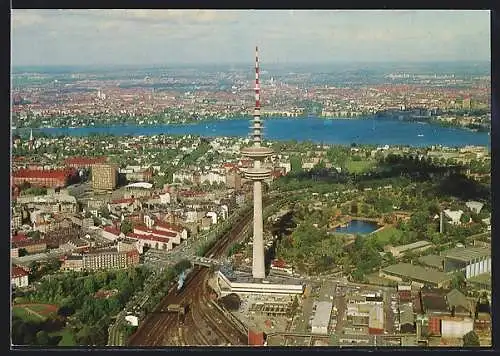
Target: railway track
x=202 y=325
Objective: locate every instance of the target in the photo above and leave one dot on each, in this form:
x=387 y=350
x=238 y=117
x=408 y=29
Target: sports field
x=34 y=312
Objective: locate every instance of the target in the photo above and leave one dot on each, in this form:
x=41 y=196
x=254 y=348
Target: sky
x=162 y=37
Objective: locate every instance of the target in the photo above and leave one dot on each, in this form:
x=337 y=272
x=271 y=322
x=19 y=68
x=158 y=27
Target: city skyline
x=163 y=37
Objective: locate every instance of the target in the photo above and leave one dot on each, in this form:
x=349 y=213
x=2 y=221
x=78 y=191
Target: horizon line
x=244 y=63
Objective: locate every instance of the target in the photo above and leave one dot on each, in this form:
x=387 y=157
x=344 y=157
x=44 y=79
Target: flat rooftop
x=413 y=245
x=417 y=272
x=244 y=277
x=322 y=314
x=434 y=261
x=466 y=254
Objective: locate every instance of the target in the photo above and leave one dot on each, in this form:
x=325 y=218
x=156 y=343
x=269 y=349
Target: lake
x=358 y=227
x=379 y=131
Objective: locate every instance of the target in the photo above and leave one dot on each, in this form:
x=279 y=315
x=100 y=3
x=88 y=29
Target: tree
x=458 y=281
x=390 y=258
x=35 y=235
x=104 y=212
x=22 y=252
x=471 y=339
x=126 y=227
x=465 y=219
x=42 y=338
x=182 y=265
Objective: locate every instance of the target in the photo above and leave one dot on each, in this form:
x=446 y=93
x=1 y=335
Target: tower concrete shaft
x=258 y=266
x=257 y=174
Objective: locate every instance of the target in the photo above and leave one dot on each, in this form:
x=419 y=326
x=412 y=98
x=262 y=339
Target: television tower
x=257 y=174
x=31 y=142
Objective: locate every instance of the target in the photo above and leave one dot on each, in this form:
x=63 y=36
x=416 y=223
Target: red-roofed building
x=19 y=238
x=132 y=258
x=127 y=203
x=30 y=246
x=256 y=338
x=151 y=241
x=172 y=236
x=52 y=178
x=245 y=163
x=110 y=233
x=18 y=277
x=15 y=191
x=229 y=166
x=281 y=265
x=178 y=230
x=84 y=162
x=404 y=296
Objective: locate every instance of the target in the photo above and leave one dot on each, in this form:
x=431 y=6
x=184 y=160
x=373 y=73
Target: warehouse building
x=433 y=261
x=473 y=261
x=403 y=272
x=321 y=319
x=413 y=247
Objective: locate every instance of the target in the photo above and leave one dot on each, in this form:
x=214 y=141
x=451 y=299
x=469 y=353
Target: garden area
x=74 y=308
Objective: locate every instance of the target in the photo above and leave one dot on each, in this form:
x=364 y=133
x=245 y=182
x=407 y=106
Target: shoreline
x=323 y=131
x=374 y=117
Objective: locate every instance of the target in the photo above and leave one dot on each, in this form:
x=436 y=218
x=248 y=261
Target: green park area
x=360 y=166
x=388 y=233
x=67 y=337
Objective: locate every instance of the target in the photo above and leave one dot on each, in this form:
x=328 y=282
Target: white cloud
x=112 y=36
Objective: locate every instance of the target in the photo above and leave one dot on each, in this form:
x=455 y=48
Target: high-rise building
x=104 y=176
x=257 y=174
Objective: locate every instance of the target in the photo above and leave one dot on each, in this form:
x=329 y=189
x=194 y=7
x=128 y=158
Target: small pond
x=357 y=227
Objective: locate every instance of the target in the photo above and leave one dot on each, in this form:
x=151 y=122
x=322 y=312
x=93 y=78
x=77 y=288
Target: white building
x=191 y=216
x=165 y=198
x=454 y=215
x=456 y=327
x=321 y=319
x=224 y=211
x=132 y=320
x=213 y=216
x=286 y=165
x=227 y=287
x=19 y=277
x=473 y=261
x=475 y=206
x=181 y=176
x=213 y=177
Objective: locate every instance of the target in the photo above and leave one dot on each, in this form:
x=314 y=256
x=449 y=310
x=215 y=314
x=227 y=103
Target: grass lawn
x=360 y=166
x=68 y=339
x=384 y=235
x=24 y=314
